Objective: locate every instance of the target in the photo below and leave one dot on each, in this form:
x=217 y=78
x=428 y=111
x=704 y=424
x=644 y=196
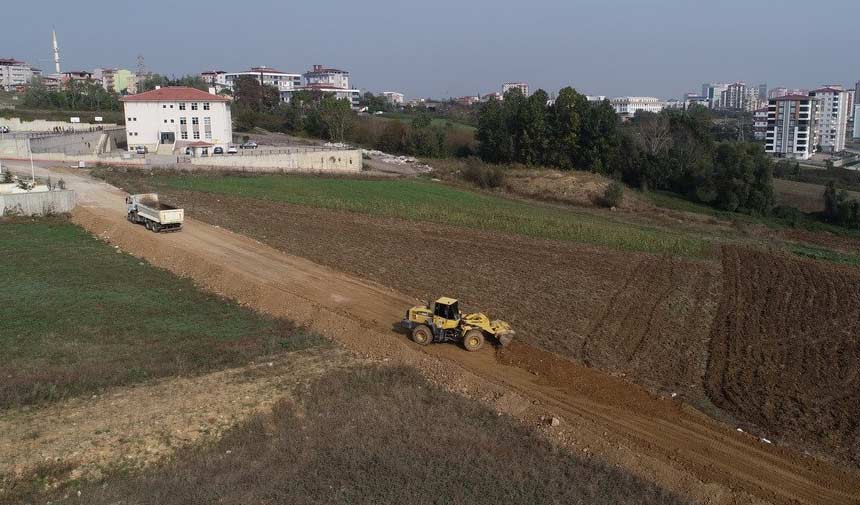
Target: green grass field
x=78 y=316
x=436 y=121
x=427 y=201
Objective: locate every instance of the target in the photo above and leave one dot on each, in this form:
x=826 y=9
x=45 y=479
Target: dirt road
x=360 y=314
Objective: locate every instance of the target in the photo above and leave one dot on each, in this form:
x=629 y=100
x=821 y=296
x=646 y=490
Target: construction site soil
x=785 y=349
x=556 y=293
x=643 y=318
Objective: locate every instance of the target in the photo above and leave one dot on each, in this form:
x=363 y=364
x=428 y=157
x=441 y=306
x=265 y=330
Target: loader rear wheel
x=473 y=340
x=422 y=335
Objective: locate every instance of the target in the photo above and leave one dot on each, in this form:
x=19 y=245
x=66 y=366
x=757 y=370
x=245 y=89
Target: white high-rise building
x=713 y=92
x=791 y=126
x=833 y=104
x=856 y=121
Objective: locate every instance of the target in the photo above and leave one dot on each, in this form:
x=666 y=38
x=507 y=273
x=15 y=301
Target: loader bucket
x=505 y=338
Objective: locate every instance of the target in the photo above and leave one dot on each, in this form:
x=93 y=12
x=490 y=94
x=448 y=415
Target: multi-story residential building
x=832 y=117
x=494 y=95
x=394 y=97
x=856 y=121
x=762 y=93
x=14 y=73
x=738 y=96
x=791 y=126
x=177 y=119
x=107 y=76
x=691 y=99
x=216 y=79
x=595 y=98
x=630 y=105
x=760 y=123
x=265 y=75
x=326 y=80
x=125 y=82
x=713 y=92
x=523 y=87
x=76 y=75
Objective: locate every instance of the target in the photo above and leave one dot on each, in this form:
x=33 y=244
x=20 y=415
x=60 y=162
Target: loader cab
x=447 y=308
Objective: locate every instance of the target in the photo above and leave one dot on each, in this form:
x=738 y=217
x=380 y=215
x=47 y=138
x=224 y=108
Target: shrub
x=614 y=194
x=483 y=175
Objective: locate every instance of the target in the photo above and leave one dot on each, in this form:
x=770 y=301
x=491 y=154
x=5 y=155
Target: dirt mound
x=785 y=350
x=570 y=187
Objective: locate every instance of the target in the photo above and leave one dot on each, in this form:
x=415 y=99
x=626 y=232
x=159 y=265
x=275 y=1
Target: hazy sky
x=444 y=48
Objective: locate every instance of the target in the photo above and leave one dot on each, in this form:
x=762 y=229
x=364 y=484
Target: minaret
x=56 y=52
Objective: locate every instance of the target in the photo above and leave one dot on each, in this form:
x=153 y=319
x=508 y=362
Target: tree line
x=322 y=115
x=74 y=95
x=675 y=150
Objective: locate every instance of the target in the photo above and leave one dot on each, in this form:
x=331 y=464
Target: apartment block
x=791 y=126
x=630 y=105
x=14 y=73
x=833 y=104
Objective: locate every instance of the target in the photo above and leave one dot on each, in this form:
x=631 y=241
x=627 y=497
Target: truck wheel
x=147 y=224
x=473 y=340
x=156 y=227
x=422 y=335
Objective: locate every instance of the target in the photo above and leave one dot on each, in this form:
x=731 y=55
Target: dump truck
x=146 y=209
x=443 y=322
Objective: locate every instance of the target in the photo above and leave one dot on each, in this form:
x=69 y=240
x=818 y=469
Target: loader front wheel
x=422 y=335
x=473 y=340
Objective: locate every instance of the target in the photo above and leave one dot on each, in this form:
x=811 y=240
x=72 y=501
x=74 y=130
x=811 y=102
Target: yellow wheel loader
x=443 y=322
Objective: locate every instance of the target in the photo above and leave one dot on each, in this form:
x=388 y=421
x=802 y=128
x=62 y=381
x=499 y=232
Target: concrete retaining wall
x=69 y=143
x=336 y=161
x=37 y=204
x=41 y=125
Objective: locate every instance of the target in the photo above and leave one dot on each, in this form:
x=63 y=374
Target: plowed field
x=785 y=349
x=641 y=315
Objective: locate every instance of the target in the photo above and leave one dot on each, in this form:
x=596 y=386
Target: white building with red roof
x=170 y=120
x=833 y=105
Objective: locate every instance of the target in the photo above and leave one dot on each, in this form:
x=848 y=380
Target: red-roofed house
x=167 y=120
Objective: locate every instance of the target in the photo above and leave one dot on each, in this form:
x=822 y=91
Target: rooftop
x=174 y=94
x=792 y=98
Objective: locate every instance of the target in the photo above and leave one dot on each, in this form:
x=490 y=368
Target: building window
x=194 y=106
x=182 y=120
x=171 y=121
x=184 y=135
x=171 y=106
x=181 y=106
x=207 y=128
x=205 y=105
x=195 y=120
x=196 y=135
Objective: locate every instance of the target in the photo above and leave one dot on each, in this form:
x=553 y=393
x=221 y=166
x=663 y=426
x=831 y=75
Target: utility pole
x=32 y=167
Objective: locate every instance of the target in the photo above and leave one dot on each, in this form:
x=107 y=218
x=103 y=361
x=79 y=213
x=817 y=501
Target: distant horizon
x=612 y=48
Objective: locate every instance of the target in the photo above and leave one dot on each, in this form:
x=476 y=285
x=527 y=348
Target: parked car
x=218 y=150
x=248 y=145
x=4 y=129
x=232 y=150
x=140 y=149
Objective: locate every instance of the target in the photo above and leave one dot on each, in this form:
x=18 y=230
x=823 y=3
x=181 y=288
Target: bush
x=614 y=194
x=484 y=175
